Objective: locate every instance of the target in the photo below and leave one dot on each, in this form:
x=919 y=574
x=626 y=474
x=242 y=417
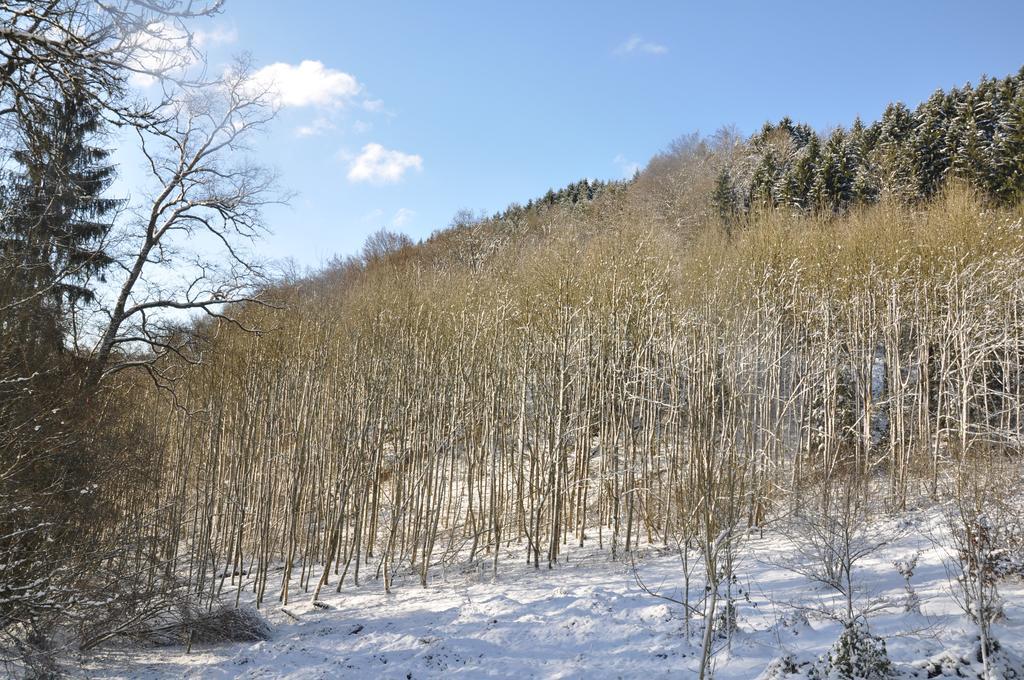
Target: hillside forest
x=753 y=328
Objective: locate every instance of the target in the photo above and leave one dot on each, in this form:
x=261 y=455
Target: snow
x=586 y=618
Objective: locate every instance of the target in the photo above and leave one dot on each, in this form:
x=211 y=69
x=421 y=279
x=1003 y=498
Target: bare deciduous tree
x=72 y=46
x=207 y=191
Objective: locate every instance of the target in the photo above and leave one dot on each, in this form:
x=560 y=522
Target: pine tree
x=834 y=179
x=893 y=155
x=976 y=134
x=970 y=157
x=763 y=183
x=723 y=198
x=931 y=161
x=856 y=142
x=799 y=184
x=864 y=187
x=56 y=221
x=1008 y=146
x=803 y=134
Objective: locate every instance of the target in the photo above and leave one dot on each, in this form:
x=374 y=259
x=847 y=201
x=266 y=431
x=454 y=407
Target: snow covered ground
x=586 y=618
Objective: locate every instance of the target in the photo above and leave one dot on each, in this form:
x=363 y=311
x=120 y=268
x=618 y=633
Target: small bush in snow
x=857 y=655
x=1004 y=664
x=785 y=668
x=906 y=567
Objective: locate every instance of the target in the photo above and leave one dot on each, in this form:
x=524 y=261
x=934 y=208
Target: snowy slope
x=587 y=618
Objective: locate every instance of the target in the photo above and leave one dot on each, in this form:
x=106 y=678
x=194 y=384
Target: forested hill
x=622 y=355
x=819 y=326
x=972 y=134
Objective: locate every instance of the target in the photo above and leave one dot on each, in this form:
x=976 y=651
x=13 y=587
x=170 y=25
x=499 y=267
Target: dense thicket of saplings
x=615 y=385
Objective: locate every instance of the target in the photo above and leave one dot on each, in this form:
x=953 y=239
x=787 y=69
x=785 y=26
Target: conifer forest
x=765 y=393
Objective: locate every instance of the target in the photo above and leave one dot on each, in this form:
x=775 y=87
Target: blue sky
x=406 y=112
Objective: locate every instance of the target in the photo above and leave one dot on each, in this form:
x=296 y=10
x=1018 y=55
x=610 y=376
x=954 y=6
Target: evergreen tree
x=856 y=142
x=760 y=140
x=864 y=187
x=970 y=157
x=955 y=130
x=892 y=153
x=834 y=179
x=763 y=183
x=56 y=219
x=799 y=185
x=976 y=134
x=724 y=198
x=1008 y=145
x=803 y=134
x=931 y=161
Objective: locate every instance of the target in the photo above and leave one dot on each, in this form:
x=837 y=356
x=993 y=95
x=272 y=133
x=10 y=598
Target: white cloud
x=218 y=35
x=318 y=127
x=361 y=127
x=373 y=216
x=402 y=217
x=382 y=166
x=373 y=104
x=636 y=44
x=627 y=167
x=309 y=83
